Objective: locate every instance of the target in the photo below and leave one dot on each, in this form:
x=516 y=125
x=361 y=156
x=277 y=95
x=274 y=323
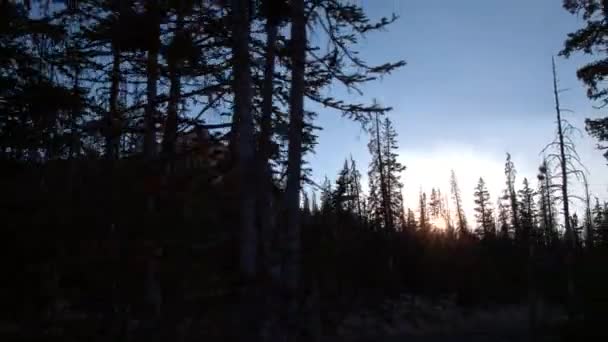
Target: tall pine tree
x=384 y=175
x=486 y=225
x=461 y=219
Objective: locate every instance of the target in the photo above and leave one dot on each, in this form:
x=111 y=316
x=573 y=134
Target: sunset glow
x=432 y=170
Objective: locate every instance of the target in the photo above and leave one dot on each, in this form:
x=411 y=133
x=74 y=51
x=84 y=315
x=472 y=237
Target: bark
x=532 y=292
x=246 y=148
x=245 y=162
x=383 y=190
x=151 y=90
x=570 y=239
x=112 y=134
x=266 y=202
x=170 y=134
x=357 y=193
x=75 y=139
x=588 y=218
x=294 y=163
x=389 y=189
x=550 y=227
x=265 y=186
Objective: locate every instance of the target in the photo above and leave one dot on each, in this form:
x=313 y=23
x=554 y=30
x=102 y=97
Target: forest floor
x=421 y=320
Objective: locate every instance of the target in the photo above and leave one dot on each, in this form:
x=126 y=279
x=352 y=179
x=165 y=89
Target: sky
x=477 y=85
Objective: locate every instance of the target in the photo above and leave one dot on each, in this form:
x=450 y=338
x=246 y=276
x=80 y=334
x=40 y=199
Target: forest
x=156 y=187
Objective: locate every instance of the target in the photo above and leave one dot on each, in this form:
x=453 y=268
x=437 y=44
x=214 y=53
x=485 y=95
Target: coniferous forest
x=156 y=186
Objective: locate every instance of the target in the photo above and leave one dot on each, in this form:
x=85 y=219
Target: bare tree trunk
x=389 y=200
x=550 y=227
x=294 y=164
x=265 y=186
x=532 y=293
x=112 y=131
x=170 y=134
x=245 y=162
x=588 y=224
x=267 y=205
x=570 y=238
x=242 y=88
x=151 y=91
x=74 y=138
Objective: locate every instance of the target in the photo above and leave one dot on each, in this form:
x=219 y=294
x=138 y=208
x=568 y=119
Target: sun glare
x=432 y=170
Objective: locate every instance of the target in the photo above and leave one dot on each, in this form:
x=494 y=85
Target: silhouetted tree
x=423 y=218
x=527 y=208
x=294 y=161
x=384 y=174
x=435 y=203
x=326 y=195
x=483 y=211
x=355 y=188
x=410 y=222
x=461 y=219
x=590 y=40
x=600 y=222
x=393 y=171
x=547 y=204
x=563 y=167
x=511 y=194
x=503 y=220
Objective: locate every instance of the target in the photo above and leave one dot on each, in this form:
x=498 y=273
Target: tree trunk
x=151 y=90
x=389 y=189
x=532 y=294
x=245 y=162
x=270 y=258
x=550 y=227
x=74 y=138
x=112 y=132
x=170 y=134
x=294 y=164
x=570 y=239
x=265 y=186
x=356 y=182
x=383 y=184
x=588 y=218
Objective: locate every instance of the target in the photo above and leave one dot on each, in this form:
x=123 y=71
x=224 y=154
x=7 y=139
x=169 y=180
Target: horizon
x=498 y=91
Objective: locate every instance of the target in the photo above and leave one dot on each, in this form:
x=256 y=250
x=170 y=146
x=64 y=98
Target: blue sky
x=477 y=85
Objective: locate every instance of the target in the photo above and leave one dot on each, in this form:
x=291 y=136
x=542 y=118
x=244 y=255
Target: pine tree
x=378 y=193
x=511 y=196
x=393 y=171
x=355 y=187
x=314 y=204
x=422 y=210
x=326 y=196
x=461 y=219
x=410 y=221
x=446 y=214
x=306 y=208
x=435 y=203
x=341 y=196
x=590 y=40
x=384 y=175
x=600 y=222
x=401 y=213
x=547 y=205
x=527 y=209
x=503 y=220
x=484 y=213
